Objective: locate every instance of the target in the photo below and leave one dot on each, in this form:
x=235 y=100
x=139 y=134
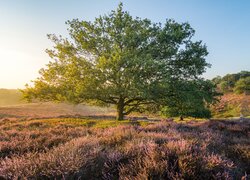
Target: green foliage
x=191 y=98
x=243 y=86
x=230 y=111
x=224 y=87
x=217 y=79
x=228 y=82
x=121 y=60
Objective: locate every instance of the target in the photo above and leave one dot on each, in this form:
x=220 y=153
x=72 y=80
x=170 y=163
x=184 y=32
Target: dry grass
x=107 y=149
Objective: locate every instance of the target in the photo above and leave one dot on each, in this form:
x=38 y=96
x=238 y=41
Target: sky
x=224 y=26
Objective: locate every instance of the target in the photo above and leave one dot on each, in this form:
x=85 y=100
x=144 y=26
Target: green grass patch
x=70 y=122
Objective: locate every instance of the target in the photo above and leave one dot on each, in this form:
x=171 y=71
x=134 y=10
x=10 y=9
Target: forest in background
x=237 y=83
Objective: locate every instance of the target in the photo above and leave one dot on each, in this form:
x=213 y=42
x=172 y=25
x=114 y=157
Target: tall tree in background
x=121 y=60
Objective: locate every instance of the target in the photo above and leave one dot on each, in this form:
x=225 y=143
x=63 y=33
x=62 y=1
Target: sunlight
x=17 y=67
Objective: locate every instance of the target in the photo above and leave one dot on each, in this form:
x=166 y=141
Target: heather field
x=88 y=148
x=124 y=90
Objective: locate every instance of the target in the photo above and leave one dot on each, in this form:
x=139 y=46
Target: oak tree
x=121 y=60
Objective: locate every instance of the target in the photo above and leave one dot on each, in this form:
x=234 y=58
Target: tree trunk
x=120 y=109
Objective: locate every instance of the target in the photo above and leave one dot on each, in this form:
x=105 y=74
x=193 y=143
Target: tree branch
x=130 y=110
x=109 y=101
x=135 y=106
x=132 y=100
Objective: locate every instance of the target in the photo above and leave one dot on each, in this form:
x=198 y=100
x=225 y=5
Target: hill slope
x=10 y=97
x=232 y=105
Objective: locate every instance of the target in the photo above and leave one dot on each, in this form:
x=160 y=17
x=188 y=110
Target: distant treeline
x=238 y=83
x=10 y=97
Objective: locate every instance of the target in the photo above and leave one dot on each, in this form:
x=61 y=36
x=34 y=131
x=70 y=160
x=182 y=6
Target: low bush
x=163 y=150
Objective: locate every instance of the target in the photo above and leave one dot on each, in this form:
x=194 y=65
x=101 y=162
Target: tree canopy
x=229 y=82
x=191 y=98
x=125 y=61
x=243 y=86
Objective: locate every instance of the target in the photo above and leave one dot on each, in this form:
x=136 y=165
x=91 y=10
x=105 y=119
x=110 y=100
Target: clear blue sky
x=223 y=25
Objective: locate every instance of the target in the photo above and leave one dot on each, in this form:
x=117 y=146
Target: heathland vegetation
x=235 y=99
x=108 y=149
x=126 y=67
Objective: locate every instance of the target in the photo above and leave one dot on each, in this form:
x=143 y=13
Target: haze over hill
x=12 y=105
x=10 y=97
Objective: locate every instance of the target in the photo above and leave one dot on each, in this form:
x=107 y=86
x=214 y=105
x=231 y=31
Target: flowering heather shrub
x=20 y=142
x=144 y=161
x=216 y=161
x=159 y=127
x=60 y=161
x=116 y=136
x=163 y=150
